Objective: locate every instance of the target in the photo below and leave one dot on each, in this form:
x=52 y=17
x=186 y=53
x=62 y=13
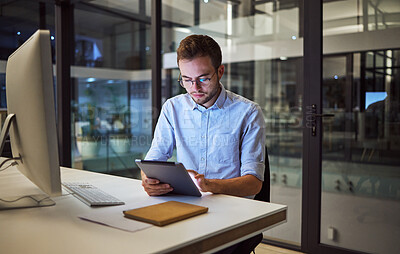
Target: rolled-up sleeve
x=252 y=154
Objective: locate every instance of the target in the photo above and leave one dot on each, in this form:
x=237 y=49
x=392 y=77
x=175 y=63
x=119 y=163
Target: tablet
x=172 y=173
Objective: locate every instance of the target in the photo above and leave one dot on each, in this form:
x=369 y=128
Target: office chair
x=263 y=195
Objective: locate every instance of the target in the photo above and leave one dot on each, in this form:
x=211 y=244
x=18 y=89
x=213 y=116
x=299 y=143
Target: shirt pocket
x=225 y=148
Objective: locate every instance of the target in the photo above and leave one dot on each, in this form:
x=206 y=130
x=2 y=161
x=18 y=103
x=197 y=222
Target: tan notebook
x=165 y=213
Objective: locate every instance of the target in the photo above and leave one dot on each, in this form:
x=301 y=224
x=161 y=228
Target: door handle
x=314 y=117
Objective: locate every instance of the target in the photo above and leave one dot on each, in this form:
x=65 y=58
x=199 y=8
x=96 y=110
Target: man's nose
x=196 y=85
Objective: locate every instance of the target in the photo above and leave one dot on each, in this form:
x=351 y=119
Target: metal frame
x=143 y=35
x=156 y=41
x=312 y=160
x=311 y=189
x=64 y=57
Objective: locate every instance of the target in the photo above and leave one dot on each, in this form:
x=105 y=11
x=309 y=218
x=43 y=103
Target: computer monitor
x=31 y=117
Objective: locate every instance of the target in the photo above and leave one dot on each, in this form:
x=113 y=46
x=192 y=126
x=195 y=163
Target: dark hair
x=200 y=45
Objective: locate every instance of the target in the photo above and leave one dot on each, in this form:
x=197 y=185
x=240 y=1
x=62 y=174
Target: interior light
x=229 y=19
x=183 y=30
x=52 y=38
x=18 y=33
x=205 y=1
x=91 y=79
x=335 y=77
x=294 y=37
x=283 y=58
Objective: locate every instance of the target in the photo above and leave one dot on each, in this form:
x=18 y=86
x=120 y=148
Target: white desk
x=57 y=229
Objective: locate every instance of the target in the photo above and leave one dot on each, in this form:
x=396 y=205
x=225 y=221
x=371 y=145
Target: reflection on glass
x=355 y=16
x=105 y=39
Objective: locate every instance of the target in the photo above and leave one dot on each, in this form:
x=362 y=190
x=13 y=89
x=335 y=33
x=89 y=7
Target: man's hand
x=153 y=187
x=199 y=180
x=241 y=186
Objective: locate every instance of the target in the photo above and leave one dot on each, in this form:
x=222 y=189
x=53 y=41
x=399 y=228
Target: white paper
x=114 y=217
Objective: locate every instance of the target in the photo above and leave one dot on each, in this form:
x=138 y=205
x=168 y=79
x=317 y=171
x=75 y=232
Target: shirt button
x=202 y=158
x=203 y=136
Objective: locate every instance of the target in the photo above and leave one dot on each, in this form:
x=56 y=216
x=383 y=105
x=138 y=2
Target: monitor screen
x=373 y=97
x=30 y=97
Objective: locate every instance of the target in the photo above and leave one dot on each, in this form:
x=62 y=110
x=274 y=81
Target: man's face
x=198 y=68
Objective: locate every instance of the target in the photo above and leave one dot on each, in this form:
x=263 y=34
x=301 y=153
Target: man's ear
x=221 y=70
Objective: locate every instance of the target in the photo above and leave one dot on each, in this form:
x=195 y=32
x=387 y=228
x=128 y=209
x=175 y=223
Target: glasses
x=189 y=82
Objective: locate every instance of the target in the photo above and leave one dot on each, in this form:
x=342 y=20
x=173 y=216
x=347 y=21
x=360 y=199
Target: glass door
x=360 y=148
x=360 y=179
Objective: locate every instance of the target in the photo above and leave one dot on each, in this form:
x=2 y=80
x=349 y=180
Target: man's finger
x=152 y=181
x=157 y=192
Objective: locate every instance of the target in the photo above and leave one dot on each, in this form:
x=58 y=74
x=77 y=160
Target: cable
x=34 y=199
x=31 y=197
x=3 y=162
x=12 y=164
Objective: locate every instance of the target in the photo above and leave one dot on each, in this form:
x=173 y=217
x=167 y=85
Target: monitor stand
x=25 y=201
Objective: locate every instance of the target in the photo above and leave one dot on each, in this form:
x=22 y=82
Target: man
x=219 y=136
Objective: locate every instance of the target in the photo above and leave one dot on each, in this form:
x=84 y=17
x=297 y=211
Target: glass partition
x=361 y=143
x=19 y=20
x=111 y=106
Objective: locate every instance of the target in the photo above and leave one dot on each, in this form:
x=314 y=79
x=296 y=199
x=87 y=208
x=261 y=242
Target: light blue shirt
x=224 y=141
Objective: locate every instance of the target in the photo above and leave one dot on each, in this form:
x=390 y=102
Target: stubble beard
x=208 y=96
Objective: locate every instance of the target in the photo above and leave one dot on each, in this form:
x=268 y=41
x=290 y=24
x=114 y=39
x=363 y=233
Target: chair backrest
x=264 y=194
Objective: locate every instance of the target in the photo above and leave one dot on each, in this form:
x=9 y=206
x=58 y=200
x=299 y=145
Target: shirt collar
x=218 y=103
x=221 y=98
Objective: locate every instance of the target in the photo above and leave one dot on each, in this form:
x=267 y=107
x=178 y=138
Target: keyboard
x=91 y=195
